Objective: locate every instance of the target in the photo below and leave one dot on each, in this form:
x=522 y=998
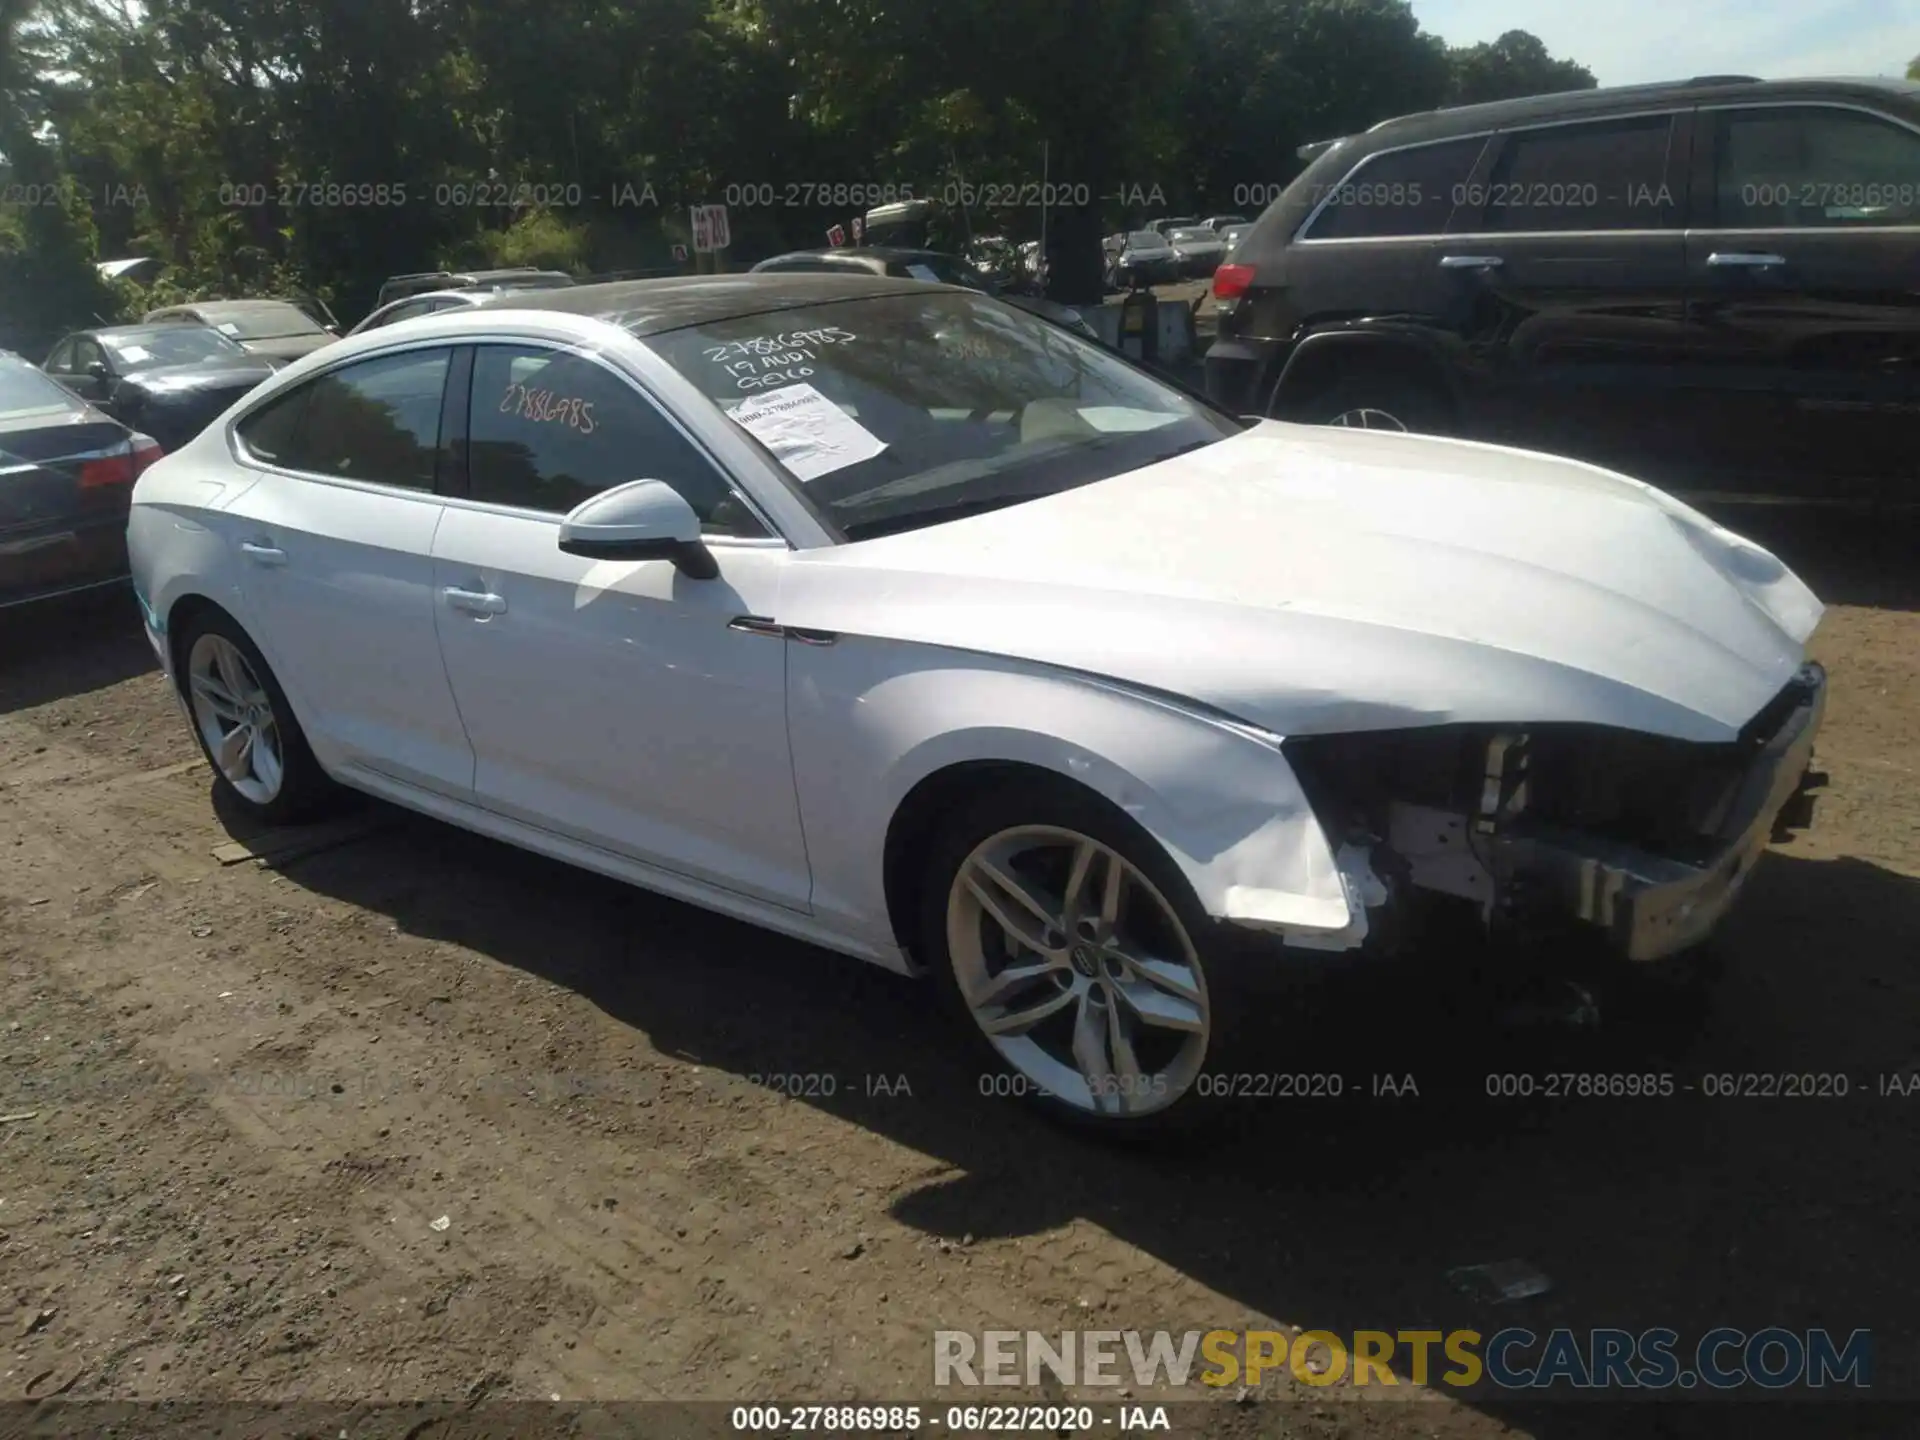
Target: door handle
x=1471 y=262
x=1741 y=259
x=475 y=602
x=263 y=554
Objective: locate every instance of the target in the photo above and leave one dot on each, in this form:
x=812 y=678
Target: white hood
x=1312 y=580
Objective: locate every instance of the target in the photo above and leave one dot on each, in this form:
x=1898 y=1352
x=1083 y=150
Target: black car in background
x=1713 y=285
x=66 y=479
x=280 y=330
x=167 y=380
x=931 y=265
x=519 y=277
x=1141 y=257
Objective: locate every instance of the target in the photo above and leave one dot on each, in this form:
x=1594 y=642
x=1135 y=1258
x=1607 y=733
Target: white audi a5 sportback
x=888 y=616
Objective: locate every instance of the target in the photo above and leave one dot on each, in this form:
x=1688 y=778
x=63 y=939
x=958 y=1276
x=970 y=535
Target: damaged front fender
x=1219 y=796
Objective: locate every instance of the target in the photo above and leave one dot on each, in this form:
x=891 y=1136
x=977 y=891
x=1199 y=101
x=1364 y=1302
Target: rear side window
x=25 y=391
x=1813 y=167
x=378 y=420
x=1607 y=175
x=1400 y=192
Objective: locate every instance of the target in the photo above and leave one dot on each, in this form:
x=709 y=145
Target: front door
x=615 y=703
x=1805 y=283
x=335 y=546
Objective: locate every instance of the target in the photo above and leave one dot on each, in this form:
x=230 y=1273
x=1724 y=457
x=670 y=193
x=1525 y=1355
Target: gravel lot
x=238 y=1099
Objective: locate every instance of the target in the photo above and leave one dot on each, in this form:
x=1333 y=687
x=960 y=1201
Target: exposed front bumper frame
x=1652 y=906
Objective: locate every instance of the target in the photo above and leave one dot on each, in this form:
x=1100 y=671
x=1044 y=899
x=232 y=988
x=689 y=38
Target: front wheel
x=1075 y=953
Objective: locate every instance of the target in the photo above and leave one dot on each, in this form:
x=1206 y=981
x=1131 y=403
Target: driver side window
x=550 y=429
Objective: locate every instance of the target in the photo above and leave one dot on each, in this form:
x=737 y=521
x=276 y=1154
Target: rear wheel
x=1076 y=955
x=258 y=752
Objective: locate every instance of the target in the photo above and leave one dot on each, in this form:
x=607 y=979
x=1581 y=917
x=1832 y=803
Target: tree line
x=316 y=146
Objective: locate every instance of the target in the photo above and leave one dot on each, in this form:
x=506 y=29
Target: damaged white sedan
x=887 y=616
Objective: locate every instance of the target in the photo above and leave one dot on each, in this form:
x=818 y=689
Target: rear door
x=1564 y=271
x=1805 y=274
x=335 y=546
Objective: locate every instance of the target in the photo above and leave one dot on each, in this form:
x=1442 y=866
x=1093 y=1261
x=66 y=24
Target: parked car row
x=66 y=477
x=1156 y=257
x=927 y=265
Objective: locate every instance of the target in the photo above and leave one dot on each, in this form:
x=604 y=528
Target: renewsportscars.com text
x=1773 y=1358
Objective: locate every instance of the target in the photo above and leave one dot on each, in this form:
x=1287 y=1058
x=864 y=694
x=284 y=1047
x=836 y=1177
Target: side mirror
x=98 y=370
x=641 y=520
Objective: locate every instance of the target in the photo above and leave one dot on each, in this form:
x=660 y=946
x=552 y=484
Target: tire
x=1032 y=831
x=1400 y=404
x=229 y=688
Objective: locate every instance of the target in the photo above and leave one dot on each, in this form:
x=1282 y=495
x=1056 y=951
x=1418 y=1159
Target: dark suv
x=1714 y=285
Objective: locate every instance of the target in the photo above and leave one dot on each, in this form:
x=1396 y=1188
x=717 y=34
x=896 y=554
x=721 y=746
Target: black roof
x=885 y=254
x=1498 y=114
x=136 y=333
x=651 y=307
x=475 y=275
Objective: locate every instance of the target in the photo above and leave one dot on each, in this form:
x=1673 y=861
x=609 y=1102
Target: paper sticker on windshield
x=135 y=353
x=227 y=327
x=806 y=431
x=922 y=272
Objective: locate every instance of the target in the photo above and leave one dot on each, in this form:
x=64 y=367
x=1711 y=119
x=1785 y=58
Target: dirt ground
x=421 y=1117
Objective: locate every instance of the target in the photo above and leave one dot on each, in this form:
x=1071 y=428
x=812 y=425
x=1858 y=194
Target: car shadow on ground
x=1688 y=1211
x=62 y=648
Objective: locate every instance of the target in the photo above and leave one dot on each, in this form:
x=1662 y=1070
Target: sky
x=1627 y=42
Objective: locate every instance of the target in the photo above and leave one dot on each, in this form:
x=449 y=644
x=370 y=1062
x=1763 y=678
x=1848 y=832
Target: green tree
x=1514 y=65
x=1913 y=68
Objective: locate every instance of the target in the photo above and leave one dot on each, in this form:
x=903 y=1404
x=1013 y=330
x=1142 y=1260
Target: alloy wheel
x=1078 y=971
x=1366 y=417
x=236 y=719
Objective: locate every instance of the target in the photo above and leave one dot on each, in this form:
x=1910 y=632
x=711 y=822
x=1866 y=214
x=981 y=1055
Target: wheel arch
x=916 y=822
x=1318 y=362
x=1224 y=808
x=180 y=615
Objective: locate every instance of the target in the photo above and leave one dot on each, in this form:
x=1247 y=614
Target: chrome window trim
x=1850 y=105
x=1300 y=235
x=246 y=459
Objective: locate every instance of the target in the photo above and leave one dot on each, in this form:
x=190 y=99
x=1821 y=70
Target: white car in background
x=888 y=616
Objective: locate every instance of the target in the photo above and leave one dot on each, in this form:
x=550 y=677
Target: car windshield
x=901 y=411
x=1194 y=237
x=1146 y=240
x=268 y=324
x=25 y=392
x=168 y=345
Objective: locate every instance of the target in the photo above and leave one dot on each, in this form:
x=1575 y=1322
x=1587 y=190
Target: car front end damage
x=1643 y=841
